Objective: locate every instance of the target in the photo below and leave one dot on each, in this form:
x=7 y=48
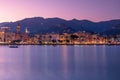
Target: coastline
x=58 y=44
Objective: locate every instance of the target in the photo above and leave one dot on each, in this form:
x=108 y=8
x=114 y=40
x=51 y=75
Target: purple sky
x=95 y=10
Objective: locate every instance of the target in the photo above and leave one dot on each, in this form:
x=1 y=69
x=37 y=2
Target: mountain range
x=38 y=25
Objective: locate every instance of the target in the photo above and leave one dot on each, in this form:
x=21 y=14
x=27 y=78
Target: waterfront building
x=18 y=34
x=6 y=35
x=9 y=37
x=18 y=28
x=2 y=36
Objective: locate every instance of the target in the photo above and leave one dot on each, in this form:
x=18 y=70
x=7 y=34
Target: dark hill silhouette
x=114 y=31
x=58 y=25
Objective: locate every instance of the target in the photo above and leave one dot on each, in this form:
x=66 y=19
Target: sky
x=94 y=10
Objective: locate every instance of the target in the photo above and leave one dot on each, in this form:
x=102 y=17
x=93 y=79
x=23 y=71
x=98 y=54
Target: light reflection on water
x=60 y=62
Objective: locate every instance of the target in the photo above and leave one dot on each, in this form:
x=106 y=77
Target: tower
x=18 y=28
x=26 y=31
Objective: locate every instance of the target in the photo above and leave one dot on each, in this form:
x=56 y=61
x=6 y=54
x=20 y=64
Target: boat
x=13 y=46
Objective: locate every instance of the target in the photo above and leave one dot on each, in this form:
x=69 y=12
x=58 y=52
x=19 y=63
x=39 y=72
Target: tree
x=74 y=36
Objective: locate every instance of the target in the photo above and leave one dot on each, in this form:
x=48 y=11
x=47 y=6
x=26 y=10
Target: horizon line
x=61 y=18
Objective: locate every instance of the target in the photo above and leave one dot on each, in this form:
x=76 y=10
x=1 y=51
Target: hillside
x=58 y=25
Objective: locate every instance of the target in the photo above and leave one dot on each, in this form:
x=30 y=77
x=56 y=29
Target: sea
x=60 y=62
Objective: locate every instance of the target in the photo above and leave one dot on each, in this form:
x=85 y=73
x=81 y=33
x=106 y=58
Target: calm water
x=60 y=63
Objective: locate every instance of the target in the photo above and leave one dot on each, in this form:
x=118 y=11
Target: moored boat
x=13 y=46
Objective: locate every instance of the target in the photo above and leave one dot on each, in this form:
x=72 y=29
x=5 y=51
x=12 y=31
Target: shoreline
x=59 y=44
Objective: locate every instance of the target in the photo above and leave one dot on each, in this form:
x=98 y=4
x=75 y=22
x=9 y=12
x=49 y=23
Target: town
x=79 y=38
